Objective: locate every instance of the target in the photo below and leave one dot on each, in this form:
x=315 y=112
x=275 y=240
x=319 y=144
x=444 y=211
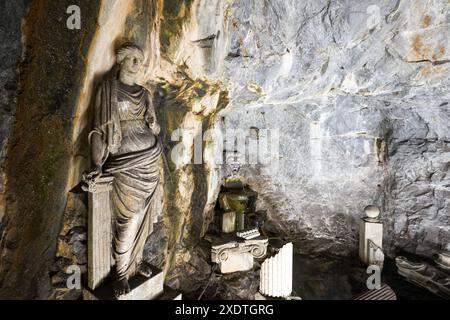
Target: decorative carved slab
x=373 y=231
x=234 y=255
x=249 y=234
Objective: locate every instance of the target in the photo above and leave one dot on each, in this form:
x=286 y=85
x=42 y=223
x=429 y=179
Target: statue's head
x=130 y=57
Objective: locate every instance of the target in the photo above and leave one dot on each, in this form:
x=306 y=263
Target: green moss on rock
x=175 y=14
x=40 y=148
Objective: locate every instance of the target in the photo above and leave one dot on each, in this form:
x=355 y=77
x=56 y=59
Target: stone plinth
x=229 y=222
x=370 y=229
x=99 y=230
x=237 y=254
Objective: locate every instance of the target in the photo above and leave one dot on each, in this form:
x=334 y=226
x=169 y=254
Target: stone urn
x=238 y=199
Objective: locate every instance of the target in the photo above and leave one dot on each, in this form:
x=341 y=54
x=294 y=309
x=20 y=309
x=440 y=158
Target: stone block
x=229 y=222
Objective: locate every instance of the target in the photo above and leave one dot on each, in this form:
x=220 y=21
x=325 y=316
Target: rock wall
x=11 y=53
x=39 y=146
x=357 y=95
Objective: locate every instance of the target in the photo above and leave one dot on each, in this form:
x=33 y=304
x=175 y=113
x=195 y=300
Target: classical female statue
x=125 y=145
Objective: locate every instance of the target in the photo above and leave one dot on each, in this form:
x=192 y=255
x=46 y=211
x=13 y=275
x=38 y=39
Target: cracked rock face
x=359 y=95
x=11 y=50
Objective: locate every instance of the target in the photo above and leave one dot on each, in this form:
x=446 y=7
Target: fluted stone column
x=276 y=274
x=99 y=231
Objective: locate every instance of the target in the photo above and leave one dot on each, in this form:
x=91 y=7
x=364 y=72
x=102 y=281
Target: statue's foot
x=145 y=270
x=121 y=287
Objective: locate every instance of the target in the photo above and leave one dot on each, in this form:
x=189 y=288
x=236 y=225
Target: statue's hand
x=156 y=129
x=93 y=175
x=90 y=179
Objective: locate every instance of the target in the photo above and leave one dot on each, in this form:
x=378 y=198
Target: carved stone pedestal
x=233 y=254
x=100 y=259
x=371 y=241
x=100 y=222
x=228 y=222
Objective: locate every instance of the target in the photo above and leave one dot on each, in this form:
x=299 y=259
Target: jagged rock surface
x=359 y=94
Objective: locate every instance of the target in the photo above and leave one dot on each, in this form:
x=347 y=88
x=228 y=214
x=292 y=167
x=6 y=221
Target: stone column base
x=233 y=254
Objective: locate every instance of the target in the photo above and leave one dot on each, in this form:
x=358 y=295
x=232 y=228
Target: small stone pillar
x=228 y=222
x=371 y=236
x=100 y=218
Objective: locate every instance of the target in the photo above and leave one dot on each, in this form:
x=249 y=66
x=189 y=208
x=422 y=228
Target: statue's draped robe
x=131 y=155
